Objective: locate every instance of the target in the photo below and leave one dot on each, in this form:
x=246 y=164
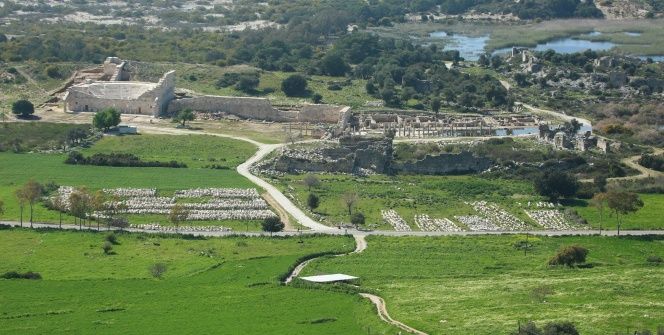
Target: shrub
x=357 y=219
x=106 y=119
x=272 y=225
x=655 y=260
x=294 y=85
x=17 y=275
x=107 y=247
x=569 y=256
x=118 y=160
x=313 y=201
x=111 y=238
x=157 y=270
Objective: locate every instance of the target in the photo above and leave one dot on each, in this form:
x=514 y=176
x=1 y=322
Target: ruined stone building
x=131 y=97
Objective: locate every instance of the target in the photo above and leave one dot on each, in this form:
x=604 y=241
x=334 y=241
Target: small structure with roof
x=331 y=278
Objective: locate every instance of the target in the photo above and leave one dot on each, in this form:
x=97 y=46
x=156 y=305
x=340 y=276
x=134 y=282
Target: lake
x=471 y=47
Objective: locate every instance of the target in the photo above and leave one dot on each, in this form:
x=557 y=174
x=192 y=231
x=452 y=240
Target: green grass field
x=648 y=217
x=221 y=286
x=194 y=150
x=437 y=196
x=483 y=285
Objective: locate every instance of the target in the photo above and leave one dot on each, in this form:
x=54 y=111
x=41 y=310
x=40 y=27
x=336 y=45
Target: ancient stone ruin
x=367 y=155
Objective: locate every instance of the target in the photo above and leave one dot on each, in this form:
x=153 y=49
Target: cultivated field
x=229 y=285
x=484 y=285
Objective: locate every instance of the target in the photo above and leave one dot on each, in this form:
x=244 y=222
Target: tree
x=21 y=198
x=106 y=119
x=599 y=201
x=59 y=205
x=357 y=219
x=3 y=116
x=177 y=215
x=23 y=108
x=349 y=199
x=76 y=136
x=247 y=83
x=313 y=201
x=184 y=115
x=98 y=204
x=570 y=255
x=623 y=203
x=556 y=184
x=334 y=65
x=311 y=181
x=31 y=192
x=600 y=183
x=294 y=85
x=317 y=98
x=79 y=202
x=435 y=105
x=272 y=225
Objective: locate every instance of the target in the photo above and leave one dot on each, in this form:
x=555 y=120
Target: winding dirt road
x=381 y=307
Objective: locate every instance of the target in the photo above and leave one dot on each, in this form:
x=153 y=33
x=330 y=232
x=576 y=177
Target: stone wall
x=464 y=162
x=261 y=109
x=247 y=108
x=321 y=113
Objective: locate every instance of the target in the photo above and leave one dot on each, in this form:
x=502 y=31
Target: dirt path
x=559 y=115
x=382 y=313
x=381 y=308
x=360 y=245
x=283 y=216
x=29 y=78
x=633 y=162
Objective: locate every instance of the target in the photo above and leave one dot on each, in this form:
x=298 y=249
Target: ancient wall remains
x=244 y=107
x=464 y=162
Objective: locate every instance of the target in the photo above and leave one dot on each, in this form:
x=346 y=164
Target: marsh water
x=471 y=47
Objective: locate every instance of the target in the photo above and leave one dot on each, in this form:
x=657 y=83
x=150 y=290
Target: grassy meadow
x=444 y=196
x=195 y=150
x=437 y=196
x=224 y=286
x=483 y=285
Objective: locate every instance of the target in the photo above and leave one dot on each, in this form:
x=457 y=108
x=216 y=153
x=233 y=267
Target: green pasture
x=196 y=151
x=483 y=285
x=648 y=217
x=437 y=196
x=221 y=286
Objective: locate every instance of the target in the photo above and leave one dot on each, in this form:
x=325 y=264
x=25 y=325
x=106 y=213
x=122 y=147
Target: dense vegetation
x=117 y=160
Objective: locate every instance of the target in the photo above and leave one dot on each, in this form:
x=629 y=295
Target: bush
x=157 y=270
x=313 y=201
x=23 y=108
x=294 y=85
x=357 y=219
x=569 y=256
x=272 y=225
x=111 y=238
x=655 y=260
x=107 y=247
x=17 y=275
x=117 y=160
